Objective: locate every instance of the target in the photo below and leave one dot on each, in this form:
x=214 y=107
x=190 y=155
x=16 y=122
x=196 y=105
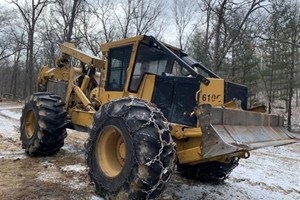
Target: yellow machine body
x=221 y=129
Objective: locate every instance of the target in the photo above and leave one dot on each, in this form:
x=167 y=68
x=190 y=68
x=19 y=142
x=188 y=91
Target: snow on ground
x=8 y=127
x=9 y=119
x=74 y=168
x=270 y=173
x=272 y=169
x=10 y=114
x=12 y=156
x=96 y=198
x=278 y=107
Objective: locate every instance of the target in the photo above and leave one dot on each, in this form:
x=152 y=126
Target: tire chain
x=153 y=110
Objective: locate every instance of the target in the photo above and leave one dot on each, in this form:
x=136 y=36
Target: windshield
x=149 y=60
x=159 y=60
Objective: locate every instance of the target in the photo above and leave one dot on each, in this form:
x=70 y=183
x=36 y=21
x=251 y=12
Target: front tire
x=130 y=152
x=43 y=124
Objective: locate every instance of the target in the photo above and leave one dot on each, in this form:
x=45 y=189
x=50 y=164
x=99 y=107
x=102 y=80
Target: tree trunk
x=30 y=63
x=72 y=20
x=14 y=75
x=26 y=85
x=291 y=87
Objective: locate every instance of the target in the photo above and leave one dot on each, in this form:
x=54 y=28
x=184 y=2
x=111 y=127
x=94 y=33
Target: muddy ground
x=271 y=173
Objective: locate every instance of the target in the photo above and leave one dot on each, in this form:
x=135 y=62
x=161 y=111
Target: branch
x=22 y=13
x=277 y=40
x=8 y=55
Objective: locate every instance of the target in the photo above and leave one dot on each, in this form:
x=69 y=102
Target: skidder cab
x=137 y=103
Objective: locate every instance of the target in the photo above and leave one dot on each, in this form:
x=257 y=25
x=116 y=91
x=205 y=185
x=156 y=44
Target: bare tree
x=19 y=46
x=225 y=32
x=124 y=16
x=183 y=12
x=206 y=7
x=6 y=45
x=104 y=12
x=89 y=32
x=146 y=14
x=66 y=12
x=30 y=11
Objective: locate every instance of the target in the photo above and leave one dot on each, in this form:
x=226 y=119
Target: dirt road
x=272 y=173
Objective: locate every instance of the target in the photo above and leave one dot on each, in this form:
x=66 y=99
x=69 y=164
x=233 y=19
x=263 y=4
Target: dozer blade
x=226 y=131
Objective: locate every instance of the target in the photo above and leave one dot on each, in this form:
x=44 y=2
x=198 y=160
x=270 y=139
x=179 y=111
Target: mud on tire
x=213 y=172
x=149 y=155
x=43 y=124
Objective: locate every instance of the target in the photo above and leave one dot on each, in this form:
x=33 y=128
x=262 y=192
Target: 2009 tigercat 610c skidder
x=147 y=106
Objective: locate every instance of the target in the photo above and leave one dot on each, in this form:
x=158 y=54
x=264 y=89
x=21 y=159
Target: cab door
x=118 y=62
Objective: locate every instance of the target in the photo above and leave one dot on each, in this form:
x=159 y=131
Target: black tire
x=150 y=150
x=210 y=172
x=43 y=124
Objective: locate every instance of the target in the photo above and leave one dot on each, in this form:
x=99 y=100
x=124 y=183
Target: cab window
x=149 y=60
x=118 y=61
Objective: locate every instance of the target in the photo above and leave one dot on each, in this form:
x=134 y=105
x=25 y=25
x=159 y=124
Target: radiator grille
x=57 y=87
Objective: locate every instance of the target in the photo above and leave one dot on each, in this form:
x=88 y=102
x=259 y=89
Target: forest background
x=252 y=42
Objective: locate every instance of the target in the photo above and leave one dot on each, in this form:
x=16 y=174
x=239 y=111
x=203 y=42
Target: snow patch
x=11 y=114
x=49 y=176
x=8 y=128
x=10 y=105
x=6 y=125
x=9 y=155
x=76 y=184
x=74 y=168
x=47 y=164
x=271 y=170
x=96 y=198
x=70 y=148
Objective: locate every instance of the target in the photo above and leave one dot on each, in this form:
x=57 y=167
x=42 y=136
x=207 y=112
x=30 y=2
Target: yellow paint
x=231 y=104
x=30 y=123
x=146 y=88
x=85 y=101
x=107 y=46
x=188 y=139
x=110 y=95
x=85 y=82
x=131 y=65
x=69 y=89
x=188 y=149
x=213 y=93
x=111 y=152
x=58 y=74
x=181 y=132
x=189 y=155
x=260 y=108
x=70 y=50
x=82 y=118
x=42 y=80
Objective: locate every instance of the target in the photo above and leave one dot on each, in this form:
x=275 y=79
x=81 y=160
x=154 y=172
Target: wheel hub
x=111 y=151
x=121 y=151
x=29 y=124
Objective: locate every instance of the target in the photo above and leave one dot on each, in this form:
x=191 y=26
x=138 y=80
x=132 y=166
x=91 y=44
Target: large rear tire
x=130 y=152
x=212 y=172
x=43 y=124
